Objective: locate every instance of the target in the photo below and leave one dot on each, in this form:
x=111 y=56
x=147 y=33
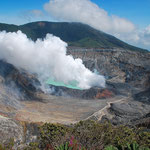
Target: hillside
x=75 y=34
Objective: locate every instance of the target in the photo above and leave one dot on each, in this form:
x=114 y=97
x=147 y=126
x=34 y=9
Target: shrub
x=111 y=148
x=91 y=135
x=71 y=145
x=7 y=145
x=52 y=134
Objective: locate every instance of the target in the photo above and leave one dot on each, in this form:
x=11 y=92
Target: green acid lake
x=71 y=85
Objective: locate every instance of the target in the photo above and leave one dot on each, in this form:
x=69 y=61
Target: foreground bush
x=95 y=135
x=133 y=146
x=7 y=145
x=90 y=135
x=53 y=134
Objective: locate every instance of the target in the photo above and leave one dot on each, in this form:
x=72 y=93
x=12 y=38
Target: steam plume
x=47 y=58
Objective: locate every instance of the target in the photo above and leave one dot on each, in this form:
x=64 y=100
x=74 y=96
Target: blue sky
x=136 y=11
x=128 y=20
x=11 y=10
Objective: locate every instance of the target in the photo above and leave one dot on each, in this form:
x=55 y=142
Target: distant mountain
x=75 y=34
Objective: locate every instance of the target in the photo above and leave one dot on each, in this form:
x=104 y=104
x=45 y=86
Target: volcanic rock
x=129 y=113
x=92 y=93
x=19 y=80
x=124 y=100
x=10 y=129
x=143 y=96
x=119 y=66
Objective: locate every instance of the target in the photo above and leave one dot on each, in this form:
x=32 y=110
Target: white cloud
x=139 y=37
x=37 y=13
x=145 y=35
x=31 y=15
x=87 y=12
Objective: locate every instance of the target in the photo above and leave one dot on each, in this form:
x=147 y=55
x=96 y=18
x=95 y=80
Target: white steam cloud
x=47 y=58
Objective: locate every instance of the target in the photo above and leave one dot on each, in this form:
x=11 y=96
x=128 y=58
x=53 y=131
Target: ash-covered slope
x=22 y=101
x=117 y=65
x=18 y=81
x=128 y=81
x=75 y=34
x=128 y=72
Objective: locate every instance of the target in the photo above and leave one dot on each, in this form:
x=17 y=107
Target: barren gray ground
x=62 y=110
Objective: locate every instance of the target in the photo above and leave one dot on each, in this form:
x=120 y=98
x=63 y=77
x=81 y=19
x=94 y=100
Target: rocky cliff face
x=121 y=68
x=128 y=72
x=15 y=86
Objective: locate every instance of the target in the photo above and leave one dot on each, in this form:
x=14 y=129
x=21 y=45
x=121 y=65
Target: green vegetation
x=7 y=145
x=71 y=145
x=52 y=134
x=87 y=135
x=8 y=28
x=91 y=135
x=111 y=148
x=75 y=34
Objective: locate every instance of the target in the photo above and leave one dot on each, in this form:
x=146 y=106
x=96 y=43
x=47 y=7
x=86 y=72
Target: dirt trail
x=99 y=114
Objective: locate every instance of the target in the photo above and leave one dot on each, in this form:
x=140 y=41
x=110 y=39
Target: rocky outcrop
x=143 y=96
x=18 y=81
x=123 y=68
x=21 y=133
x=9 y=129
x=92 y=93
x=128 y=72
x=129 y=113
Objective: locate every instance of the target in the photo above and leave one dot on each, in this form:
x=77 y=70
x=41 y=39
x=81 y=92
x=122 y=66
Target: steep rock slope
x=128 y=72
x=126 y=68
